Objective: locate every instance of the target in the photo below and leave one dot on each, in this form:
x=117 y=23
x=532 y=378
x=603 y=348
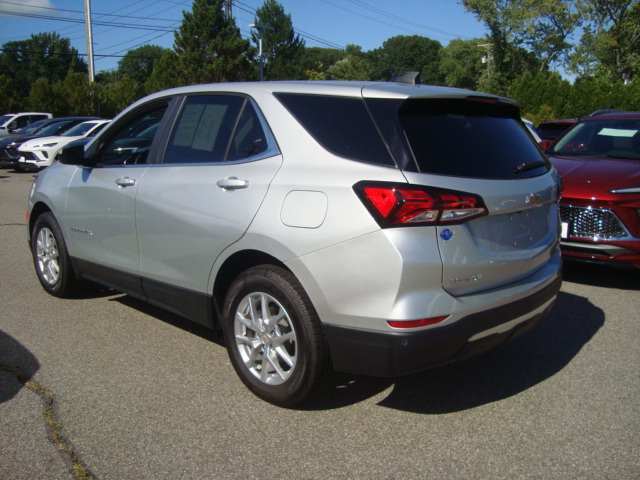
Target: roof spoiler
x=410 y=78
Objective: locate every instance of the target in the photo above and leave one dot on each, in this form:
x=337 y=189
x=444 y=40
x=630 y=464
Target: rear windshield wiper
x=525 y=167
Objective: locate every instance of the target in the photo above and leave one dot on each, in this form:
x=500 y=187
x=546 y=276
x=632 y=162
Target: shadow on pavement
x=500 y=373
x=505 y=371
x=168 y=317
x=14 y=355
x=601 y=276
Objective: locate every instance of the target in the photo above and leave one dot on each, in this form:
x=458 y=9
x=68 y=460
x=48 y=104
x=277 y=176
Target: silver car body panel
x=186 y=217
x=100 y=219
x=176 y=225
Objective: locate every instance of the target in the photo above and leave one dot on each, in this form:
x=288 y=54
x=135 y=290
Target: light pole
x=260 y=29
x=87 y=21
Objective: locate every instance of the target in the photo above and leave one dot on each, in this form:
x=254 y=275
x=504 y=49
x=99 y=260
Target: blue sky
x=121 y=25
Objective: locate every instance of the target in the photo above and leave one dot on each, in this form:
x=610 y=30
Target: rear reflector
x=401 y=204
x=423 y=322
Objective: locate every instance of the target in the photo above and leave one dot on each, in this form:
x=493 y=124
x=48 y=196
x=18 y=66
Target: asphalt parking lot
x=111 y=388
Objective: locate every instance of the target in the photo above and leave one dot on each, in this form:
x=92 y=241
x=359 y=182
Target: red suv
x=599 y=160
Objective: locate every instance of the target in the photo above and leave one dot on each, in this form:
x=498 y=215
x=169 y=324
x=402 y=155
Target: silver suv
x=368 y=228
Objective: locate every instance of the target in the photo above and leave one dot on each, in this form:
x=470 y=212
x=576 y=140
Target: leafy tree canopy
x=138 y=63
x=282 y=48
x=407 y=53
x=209 y=46
x=45 y=55
x=461 y=63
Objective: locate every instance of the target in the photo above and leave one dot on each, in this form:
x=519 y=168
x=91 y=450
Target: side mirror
x=72 y=155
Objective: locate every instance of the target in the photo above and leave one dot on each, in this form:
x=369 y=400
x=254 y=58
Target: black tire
x=285 y=362
x=51 y=258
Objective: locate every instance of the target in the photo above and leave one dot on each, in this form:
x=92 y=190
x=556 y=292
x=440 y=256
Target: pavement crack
x=80 y=471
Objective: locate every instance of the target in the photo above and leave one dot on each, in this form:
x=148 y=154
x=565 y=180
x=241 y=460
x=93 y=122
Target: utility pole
x=227 y=9
x=87 y=23
x=260 y=29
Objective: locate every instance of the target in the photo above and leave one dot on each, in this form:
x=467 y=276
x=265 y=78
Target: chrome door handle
x=123 y=182
x=232 y=183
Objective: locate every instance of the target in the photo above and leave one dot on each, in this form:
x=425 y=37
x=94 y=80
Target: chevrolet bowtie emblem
x=533 y=198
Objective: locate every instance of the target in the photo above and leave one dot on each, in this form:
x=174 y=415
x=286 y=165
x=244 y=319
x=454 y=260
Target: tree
x=355 y=66
x=77 y=95
x=164 y=75
x=282 y=48
x=408 y=53
x=548 y=32
x=314 y=56
x=45 y=55
x=42 y=99
x=610 y=45
x=209 y=46
x=535 y=90
x=543 y=26
x=9 y=99
x=116 y=96
x=461 y=63
x=138 y=63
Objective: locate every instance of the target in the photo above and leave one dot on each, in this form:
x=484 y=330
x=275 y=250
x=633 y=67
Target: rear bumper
x=400 y=353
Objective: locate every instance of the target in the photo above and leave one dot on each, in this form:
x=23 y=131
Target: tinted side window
x=21 y=122
x=203 y=130
x=469 y=139
x=341 y=125
x=249 y=138
x=130 y=143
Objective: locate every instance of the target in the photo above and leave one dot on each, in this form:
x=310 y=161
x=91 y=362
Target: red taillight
x=394 y=204
x=423 y=322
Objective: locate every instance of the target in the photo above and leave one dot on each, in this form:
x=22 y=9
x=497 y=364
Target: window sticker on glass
x=617 y=132
x=187 y=126
x=209 y=127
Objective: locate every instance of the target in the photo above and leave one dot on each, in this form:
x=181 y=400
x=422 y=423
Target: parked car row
x=35 y=146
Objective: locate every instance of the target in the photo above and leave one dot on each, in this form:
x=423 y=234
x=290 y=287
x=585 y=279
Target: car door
x=219 y=161
x=100 y=212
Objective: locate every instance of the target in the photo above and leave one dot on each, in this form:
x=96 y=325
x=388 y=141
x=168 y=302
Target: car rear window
x=342 y=125
x=551 y=131
x=468 y=138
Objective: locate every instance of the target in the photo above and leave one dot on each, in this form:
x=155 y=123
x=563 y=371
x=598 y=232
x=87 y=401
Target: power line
x=250 y=10
x=401 y=19
x=389 y=16
x=82 y=12
x=68 y=54
x=74 y=20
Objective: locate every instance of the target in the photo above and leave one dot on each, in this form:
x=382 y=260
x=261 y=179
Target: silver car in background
x=369 y=228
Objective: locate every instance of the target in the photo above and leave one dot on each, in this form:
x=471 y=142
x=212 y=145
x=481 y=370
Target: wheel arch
x=38 y=209
x=232 y=267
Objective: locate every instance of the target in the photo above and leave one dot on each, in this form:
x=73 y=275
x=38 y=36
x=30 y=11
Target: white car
x=40 y=152
x=532 y=130
x=12 y=122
